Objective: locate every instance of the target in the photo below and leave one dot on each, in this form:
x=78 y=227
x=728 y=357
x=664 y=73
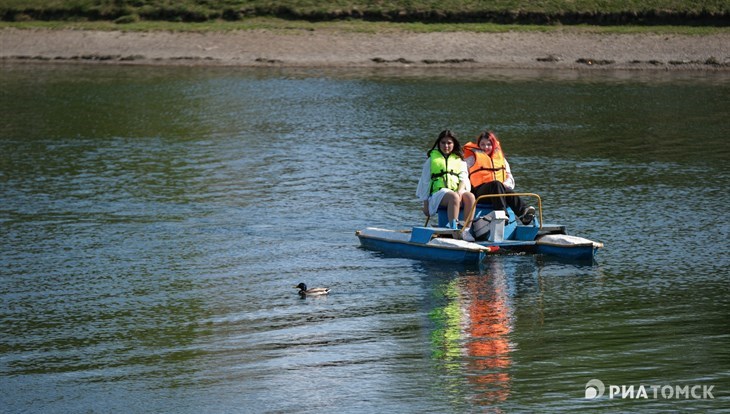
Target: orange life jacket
x=486 y=167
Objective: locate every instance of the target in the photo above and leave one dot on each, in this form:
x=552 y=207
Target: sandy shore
x=556 y=50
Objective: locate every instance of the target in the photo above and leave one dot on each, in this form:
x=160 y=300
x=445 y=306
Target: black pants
x=499 y=203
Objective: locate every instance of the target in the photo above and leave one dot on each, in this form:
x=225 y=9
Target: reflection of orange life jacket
x=486 y=168
x=489 y=332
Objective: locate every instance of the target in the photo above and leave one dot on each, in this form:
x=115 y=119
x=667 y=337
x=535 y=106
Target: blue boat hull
x=419 y=251
x=421 y=243
x=505 y=232
x=583 y=253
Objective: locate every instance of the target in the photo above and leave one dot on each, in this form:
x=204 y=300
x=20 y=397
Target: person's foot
x=528 y=215
x=466 y=235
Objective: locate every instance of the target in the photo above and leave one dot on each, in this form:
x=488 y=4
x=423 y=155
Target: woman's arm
x=424 y=183
x=509 y=180
x=464 y=183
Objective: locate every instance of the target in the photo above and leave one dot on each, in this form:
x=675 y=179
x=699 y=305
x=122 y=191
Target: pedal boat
x=507 y=235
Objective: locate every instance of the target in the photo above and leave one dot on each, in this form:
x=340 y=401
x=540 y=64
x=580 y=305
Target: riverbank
x=568 y=49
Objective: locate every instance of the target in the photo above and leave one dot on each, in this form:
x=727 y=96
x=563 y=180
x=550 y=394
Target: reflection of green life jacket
x=444 y=171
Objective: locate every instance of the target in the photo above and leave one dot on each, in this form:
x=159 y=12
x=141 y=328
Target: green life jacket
x=445 y=171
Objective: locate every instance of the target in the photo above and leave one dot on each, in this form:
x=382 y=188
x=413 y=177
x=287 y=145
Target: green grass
x=318 y=6
x=520 y=11
x=357 y=26
x=615 y=16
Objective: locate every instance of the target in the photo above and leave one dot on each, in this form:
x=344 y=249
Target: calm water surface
x=154 y=221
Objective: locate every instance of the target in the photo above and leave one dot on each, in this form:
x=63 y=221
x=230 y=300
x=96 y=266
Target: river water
x=154 y=221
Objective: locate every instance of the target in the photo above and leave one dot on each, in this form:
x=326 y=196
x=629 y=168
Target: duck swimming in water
x=303 y=291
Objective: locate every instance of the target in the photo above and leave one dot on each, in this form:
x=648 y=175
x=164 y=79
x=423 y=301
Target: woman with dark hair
x=445 y=181
x=489 y=173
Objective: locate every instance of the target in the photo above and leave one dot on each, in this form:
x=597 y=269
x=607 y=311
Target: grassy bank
x=548 y=12
x=354 y=25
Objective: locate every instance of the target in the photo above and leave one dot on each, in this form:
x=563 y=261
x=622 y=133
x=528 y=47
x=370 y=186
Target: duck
x=303 y=291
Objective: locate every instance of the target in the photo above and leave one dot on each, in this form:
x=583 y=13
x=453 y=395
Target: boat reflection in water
x=472 y=336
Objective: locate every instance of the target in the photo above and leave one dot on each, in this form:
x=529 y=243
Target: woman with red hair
x=489 y=173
